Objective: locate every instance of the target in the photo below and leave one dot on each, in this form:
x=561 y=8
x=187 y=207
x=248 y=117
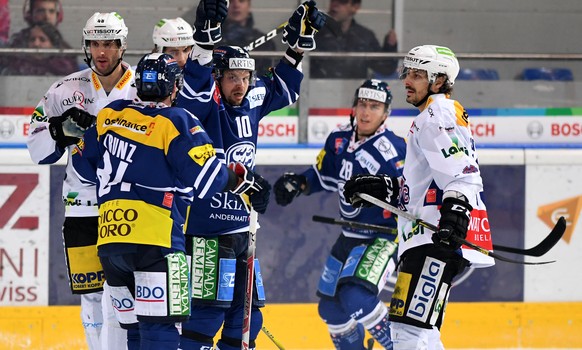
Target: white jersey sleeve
x=85 y=91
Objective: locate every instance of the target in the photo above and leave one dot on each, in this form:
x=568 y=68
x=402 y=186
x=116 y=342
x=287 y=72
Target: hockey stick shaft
x=266 y=37
x=540 y=249
x=406 y=215
x=252 y=245
x=354 y=224
x=275 y=341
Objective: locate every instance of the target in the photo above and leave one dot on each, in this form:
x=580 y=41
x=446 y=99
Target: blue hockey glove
x=209 y=16
x=302 y=26
x=384 y=187
x=454 y=221
x=252 y=185
x=288 y=187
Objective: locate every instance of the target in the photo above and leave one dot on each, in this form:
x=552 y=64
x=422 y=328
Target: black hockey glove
x=288 y=187
x=384 y=187
x=302 y=26
x=209 y=16
x=252 y=185
x=455 y=217
x=68 y=128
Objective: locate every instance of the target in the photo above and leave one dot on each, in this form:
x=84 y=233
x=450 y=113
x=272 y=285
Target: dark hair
x=28 y=10
x=51 y=32
x=446 y=88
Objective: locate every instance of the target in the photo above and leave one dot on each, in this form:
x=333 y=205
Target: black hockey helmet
x=232 y=57
x=156 y=75
x=374 y=89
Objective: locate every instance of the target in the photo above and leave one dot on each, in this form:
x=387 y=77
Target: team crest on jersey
x=241 y=152
x=340 y=145
x=386 y=148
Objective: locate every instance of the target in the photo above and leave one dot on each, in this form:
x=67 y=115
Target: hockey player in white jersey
x=175 y=37
x=58 y=122
x=442 y=185
x=348 y=293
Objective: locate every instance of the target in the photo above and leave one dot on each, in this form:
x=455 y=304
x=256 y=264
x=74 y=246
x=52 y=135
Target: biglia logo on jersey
x=568 y=208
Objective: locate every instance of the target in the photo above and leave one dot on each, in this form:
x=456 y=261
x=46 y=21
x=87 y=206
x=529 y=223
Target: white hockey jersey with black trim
x=82 y=90
x=440 y=156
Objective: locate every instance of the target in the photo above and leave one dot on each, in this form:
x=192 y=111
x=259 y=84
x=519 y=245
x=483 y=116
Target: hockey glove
x=455 y=217
x=302 y=26
x=252 y=185
x=384 y=187
x=288 y=187
x=66 y=129
x=209 y=16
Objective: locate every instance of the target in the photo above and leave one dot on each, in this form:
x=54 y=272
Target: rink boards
x=505 y=306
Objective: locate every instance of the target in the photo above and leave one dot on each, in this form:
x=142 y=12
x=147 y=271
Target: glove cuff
x=292 y=57
x=458 y=201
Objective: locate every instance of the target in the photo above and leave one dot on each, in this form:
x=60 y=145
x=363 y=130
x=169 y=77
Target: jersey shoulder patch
x=461 y=115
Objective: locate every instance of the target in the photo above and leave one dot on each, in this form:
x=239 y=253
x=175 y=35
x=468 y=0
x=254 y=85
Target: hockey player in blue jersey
x=230 y=101
x=348 y=292
x=146 y=158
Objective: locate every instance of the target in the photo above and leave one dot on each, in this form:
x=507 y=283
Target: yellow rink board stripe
x=297 y=326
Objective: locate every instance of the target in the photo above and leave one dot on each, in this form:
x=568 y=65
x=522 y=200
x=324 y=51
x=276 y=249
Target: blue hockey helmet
x=374 y=89
x=156 y=75
x=231 y=58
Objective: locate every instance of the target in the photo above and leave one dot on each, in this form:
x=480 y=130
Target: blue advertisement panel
x=292 y=248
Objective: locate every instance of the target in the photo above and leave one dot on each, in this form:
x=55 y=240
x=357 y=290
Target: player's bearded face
x=105 y=55
x=416 y=85
x=234 y=85
x=369 y=116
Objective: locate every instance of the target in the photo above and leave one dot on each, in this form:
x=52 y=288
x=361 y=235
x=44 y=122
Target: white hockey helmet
x=173 y=32
x=105 y=26
x=434 y=60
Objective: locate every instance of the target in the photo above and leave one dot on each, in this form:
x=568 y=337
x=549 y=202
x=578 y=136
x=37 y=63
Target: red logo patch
x=168 y=200
x=431 y=195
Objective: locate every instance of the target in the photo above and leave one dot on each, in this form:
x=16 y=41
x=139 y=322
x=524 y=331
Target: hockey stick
x=544 y=246
x=266 y=37
x=354 y=224
x=540 y=249
x=252 y=245
x=275 y=341
x=274 y=32
x=432 y=227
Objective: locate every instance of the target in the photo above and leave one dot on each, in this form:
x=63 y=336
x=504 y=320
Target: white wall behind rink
x=306 y=156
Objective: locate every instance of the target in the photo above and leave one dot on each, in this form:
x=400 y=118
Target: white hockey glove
x=303 y=24
x=209 y=16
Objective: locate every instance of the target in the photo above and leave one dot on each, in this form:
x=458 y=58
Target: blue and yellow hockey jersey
x=149 y=160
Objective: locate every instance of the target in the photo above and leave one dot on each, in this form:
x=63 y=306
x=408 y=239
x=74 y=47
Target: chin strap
x=423 y=101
